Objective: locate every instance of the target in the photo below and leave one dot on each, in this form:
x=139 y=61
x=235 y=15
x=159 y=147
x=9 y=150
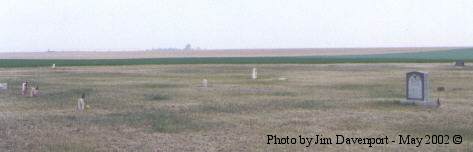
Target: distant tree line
x=188 y=47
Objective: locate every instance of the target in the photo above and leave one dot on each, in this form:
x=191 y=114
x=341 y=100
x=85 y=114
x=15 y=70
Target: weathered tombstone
x=460 y=63
x=53 y=66
x=204 y=83
x=3 y=87
x=417 y=89
x=34 y=91
x=254 y=75
x=81 y=103
x=24 y=88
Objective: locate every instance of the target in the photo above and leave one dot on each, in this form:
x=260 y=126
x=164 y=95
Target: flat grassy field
x=412 y=57
x=163 y=107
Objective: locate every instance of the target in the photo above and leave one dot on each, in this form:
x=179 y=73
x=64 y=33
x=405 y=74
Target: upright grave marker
x=34 y=91
x=24 y=87
x=53 y=66
x=3 y=87
x=417 y=89
x=460 y=63
x=254 y=75
x=204 y=83
x=81 y=104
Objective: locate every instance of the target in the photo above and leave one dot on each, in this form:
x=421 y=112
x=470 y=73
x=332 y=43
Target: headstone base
x=426 y=103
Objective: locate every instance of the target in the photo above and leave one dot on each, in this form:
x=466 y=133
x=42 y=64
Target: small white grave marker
x=24 y=88
x=53 y=66
x=81 y=103
x=204 y=83
x=254 y=75
x=34 y=91
x=3 y=87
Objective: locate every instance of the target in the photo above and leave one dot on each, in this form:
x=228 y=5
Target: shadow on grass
x=285 y=94
x=389 y=105
x=155 y=120
x=160 y=85
x=66 y=147
x=261 y=106
x=61 y=95
x=152 y=120
x=373 y=90
x=157 y=97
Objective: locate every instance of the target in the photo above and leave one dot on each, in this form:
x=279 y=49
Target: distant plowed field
x=213 y=53
x=397 y=57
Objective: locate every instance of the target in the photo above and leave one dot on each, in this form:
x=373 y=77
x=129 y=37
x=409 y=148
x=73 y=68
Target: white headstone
x=24 y=88
x=3 y=87
x=204 y=83
x=254 y=75
x=80 y=105
x=33 y=92
x=53 y=66
x=417 y=89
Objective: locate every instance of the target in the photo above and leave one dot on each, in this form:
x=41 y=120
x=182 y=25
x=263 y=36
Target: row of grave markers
x=417 y=88
x=25 y=88
x=254 y=76
x=34 y=91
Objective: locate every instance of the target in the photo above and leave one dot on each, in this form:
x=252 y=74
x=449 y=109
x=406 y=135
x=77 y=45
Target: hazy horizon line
x=223 y=49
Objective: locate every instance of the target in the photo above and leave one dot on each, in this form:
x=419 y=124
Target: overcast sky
x=60 y=25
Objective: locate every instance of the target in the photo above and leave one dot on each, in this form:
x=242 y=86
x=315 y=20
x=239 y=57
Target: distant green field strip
x=418 y=57
x=457 y=54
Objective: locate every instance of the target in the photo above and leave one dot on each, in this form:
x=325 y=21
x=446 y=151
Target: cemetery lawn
x=163 y=107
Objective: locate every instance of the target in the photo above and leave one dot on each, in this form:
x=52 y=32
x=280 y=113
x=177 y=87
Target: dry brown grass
x=163 y=108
